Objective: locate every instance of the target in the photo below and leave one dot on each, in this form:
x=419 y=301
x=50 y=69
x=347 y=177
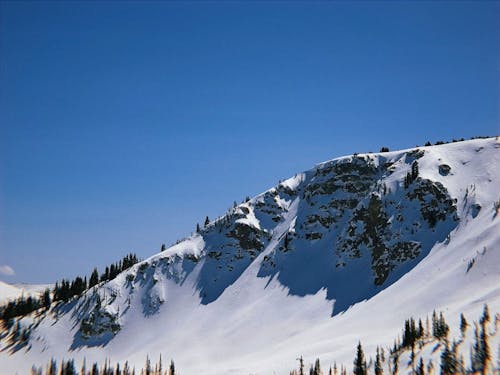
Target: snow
x=249 y=219
x=192 y=245
x=8 y=292
x=225 y=315
x=14 y=291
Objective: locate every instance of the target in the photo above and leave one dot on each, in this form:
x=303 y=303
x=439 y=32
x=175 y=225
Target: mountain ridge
x=368 y=221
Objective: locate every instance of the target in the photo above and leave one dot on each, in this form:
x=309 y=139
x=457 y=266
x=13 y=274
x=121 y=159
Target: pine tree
x=317 y=367
x=95 y=369
x=484 y=355
x=69 y=368
x=171 y=370
x=485 y=318
x=52 y=370
x=83 y=369
x=147 y=367
x=359 y=361
x=301 y=366
x=94 y=278
x=197 y=228
x=378 y=365
x=463 y=325
x=46 y=300
x=126 y=369
x=163 y=247
x=443 y=327
x=435 y=328
x=207 y=221
x=420 y=332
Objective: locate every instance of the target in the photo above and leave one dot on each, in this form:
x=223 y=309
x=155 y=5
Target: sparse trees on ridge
x=64 y=290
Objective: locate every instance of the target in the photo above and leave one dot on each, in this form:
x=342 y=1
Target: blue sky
x=124 y=124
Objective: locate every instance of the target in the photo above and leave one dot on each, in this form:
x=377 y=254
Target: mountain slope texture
x=342 y=253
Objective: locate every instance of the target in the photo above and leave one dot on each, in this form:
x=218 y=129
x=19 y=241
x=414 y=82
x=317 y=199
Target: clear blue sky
x=123 y=124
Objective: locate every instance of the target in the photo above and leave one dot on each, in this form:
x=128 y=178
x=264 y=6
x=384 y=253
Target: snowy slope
x=8 y=292
x=343 y=252
x=13 y=291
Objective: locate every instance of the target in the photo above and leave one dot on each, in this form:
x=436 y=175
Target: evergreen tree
x=317 y=367
x=52 y=369
x=207 y=221
x=94 y=278
x=434 y=324
x=46 y=299
x=160 y=366
x=439 y=327
x=126 y=369
x=171 y=370
x=163 y=247
x=359 y=361
x=463 y=325
x=301 y=366
x=95 y=369
x=483 y=354
x=378 y=365
x=421 y=331
x=69 y=367
x=83 y=370
x=485 y=318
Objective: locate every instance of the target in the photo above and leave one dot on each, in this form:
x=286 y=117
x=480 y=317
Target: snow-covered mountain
x=343 y=252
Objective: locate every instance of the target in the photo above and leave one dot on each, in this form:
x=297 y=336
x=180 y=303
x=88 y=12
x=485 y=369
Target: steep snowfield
x=293 y=271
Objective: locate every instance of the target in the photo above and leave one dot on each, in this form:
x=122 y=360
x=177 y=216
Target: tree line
x=65 y=289
x=67 y=367
x=451 y=361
